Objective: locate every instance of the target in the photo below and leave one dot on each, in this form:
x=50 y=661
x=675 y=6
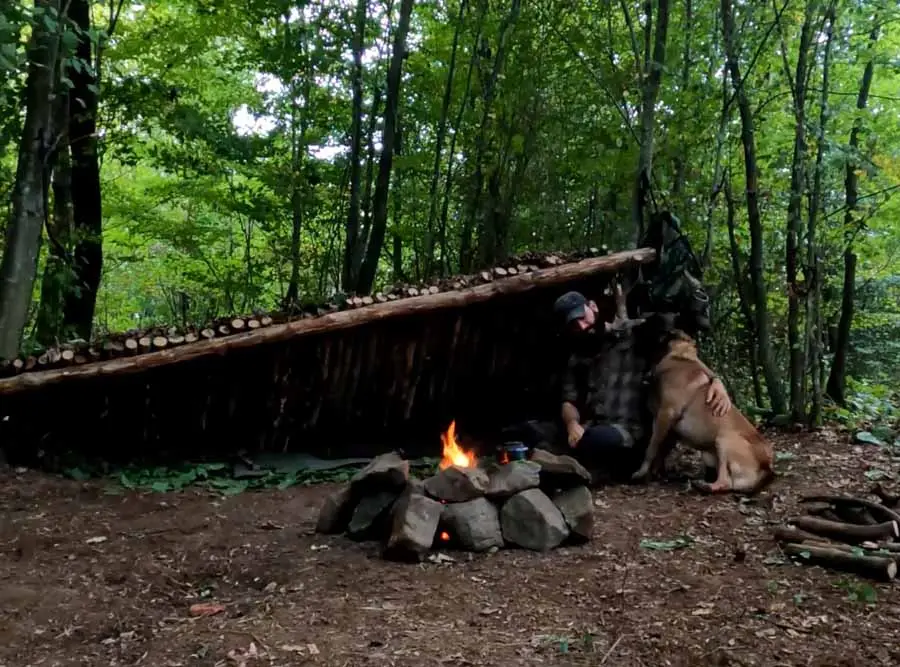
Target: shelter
x=352 y=378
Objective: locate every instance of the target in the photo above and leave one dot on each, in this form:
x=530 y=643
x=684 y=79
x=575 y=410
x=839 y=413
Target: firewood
x=882 y=568
x=434 y=289
x=380 y=297
x=367 y=301
x=53 y=355
x=44 y=359
x=500 y=272
x=223 y=329
x=67 y=355
x=887 y=499
x=792 y=534
x=190 y=337
x=145 y=343
x=412 y=291
x=486 y=277
x=846 y=532
x=112 y=347
x=208 y=333
x=176 y=339
x=131 y=344
x=30 y=362
x=335 y=321
x=253 y=324
x=79 y=359
x=159 y=342
x=265 y=320
x=18 y=365
x=237 y=324
x=878 y=511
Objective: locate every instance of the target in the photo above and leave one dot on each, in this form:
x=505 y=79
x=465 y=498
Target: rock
x=513 y=477
x=475 y=524
x=530 y=520
x=371 y=516
x=336 y=512
x=387 y=472
x=560 y=471
x=454 y=484
x=577 y=507
x=415 y=519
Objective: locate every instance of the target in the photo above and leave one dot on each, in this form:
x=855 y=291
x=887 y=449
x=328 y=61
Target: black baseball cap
x=570 y=306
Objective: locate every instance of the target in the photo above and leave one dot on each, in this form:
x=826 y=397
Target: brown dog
x=731 y=443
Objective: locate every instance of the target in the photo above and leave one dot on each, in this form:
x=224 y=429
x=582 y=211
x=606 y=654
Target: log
x=887 y=499
x=333 y=321
x=846 y=532
x=792 y=534
x=881 y=568
x=878 y=511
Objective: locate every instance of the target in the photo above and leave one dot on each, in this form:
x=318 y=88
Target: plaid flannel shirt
x=607 y=384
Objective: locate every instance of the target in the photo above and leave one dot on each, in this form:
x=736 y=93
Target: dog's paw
x=701 y=486
x=641 y=473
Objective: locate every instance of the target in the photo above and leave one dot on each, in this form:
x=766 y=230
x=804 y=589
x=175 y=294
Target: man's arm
x=717 y=396
x=570 y=417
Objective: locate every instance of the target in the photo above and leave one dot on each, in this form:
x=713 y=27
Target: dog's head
x=677 y=341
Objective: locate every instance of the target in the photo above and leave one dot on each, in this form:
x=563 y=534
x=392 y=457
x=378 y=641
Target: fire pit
x=539 y=502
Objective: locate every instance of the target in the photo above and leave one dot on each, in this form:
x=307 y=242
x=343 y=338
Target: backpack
x=672 y=283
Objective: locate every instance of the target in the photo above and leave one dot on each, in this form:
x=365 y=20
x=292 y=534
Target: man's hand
x=717 y=398
x=575 y=430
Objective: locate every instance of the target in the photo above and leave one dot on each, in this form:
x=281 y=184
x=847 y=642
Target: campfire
x=470 y=503
x=453 y=453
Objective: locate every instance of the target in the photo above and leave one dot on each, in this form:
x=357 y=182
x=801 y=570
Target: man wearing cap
x=605 y=410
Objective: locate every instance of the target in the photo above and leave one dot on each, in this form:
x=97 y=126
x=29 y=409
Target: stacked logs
x=135 y=342
x=845 y=533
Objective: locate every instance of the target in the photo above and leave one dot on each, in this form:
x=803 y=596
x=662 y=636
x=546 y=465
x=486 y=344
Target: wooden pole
x=333 y=321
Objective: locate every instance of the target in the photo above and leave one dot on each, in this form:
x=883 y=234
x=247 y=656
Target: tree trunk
x=382 y=186
x=757 y=276
x=813 y=267
x=298 y=156
x=448 y=179
x=466 y=254
x=352 y=238
x=57 y=279
x=86 y=200
x=650 y=91
x=23 y=234
x=428 y=269
x=837 y=378
x=794 y=213
x=743 y=301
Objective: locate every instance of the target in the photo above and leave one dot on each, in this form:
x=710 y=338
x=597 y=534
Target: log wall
x=354 y=392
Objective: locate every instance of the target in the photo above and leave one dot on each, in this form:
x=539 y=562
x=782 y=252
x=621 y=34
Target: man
x=605 y=413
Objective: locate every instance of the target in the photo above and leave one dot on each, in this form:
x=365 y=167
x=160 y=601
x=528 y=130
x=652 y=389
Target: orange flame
x=445 y=536
x=453 y=454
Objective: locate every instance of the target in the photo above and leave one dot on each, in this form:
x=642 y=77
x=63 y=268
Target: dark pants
x=602 y=448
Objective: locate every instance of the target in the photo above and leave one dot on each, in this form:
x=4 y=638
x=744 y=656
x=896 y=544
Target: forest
x=172 y=162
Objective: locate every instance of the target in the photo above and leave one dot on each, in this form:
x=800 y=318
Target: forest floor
x=671 y=578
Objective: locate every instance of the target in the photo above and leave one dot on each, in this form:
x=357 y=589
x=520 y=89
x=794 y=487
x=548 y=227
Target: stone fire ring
x=538 y=504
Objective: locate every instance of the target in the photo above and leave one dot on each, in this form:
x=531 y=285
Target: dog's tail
x=766 y=477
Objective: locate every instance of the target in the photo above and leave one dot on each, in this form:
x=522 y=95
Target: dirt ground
x=292 y=597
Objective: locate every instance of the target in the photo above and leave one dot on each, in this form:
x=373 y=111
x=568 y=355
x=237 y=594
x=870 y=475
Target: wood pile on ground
x=846 y=533
x=537 y=504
